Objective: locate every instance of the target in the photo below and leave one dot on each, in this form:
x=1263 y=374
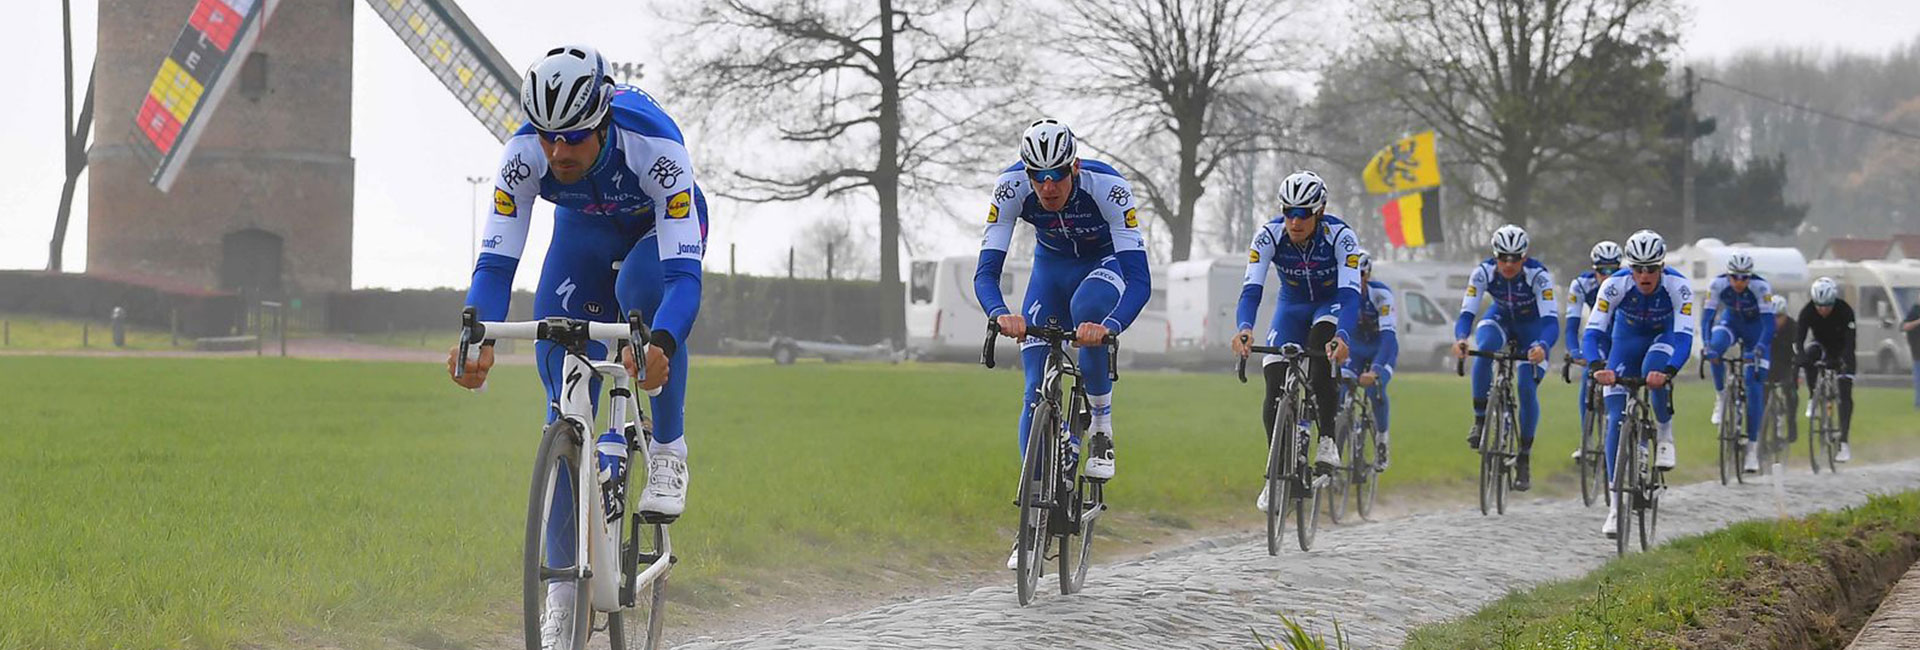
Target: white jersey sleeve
x=1260 y=254
x=1543 y=293
x=1714 y=288
x=1611 y=291
x=515 y=187
x=1764 y=292
x=1383 y=301
x=1123 y=219
x=1686 y=320
x=1476 y=288
x=1008 y=195
x=1347 y=246
x=668 y=180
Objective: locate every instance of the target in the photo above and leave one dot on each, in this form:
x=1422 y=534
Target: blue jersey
x=1748 y=306
x=1098 y=221
x=642 y=181
x=1581 y=293
x=1377 y=336
x=1324 y=269
x=1622 y=306
x=1526 y=296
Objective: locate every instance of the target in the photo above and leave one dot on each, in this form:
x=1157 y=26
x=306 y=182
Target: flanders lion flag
x=1413 y=220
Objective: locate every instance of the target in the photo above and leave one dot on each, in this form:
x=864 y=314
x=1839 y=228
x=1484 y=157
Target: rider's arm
x=1763 y=347
x=1259 y=254
x=1594 y=338
x=680 y=230
x=1572 y=316
x=1389 y=341
x=514 y=188
x=1346 y=247
x=1543 y=293
x=1129 y=249
x=1712 y=303
x=1470 y=304
x=1849 y=334
x=1677 y=343
x=1002 y=212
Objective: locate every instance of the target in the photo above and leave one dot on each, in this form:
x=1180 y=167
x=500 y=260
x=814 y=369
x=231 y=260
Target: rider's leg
x=1846 y=402
x=1048 y=292
x=1718 y=342
x=1658 y=356
x=1092 y=301
x=1616 y=405
x=1488 y=335
x=1289 y=325
x=1756 y=382
x=1320 y=374
x=576 y=281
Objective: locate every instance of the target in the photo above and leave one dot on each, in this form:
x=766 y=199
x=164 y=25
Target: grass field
x=203 y=503
x=30 y=332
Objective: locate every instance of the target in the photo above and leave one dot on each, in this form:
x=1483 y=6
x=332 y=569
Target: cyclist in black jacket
x=1786 y=345
x=1829 y=320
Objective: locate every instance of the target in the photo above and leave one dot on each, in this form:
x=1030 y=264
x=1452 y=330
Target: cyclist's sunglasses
x=1739 y=276
x=1649 y=268
x=1606 y=269
x=575 y=136
x=1510 y=257
x=1055 y=175
x=1298 y=213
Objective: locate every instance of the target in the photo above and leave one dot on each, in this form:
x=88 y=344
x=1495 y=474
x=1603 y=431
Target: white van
x=1204 y=293
x=1880 y=292
x=945 y=322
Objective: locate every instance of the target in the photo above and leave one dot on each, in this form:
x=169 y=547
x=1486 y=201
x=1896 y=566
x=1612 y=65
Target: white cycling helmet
x=1740 y=262
x=1366 y=262
x=1779 y=304
x=1303 y=189
x=1605 y=253
x=567 y=90
x=1825 y=291
x=1047 y=144
x=1510 y=240
x=1645 y=247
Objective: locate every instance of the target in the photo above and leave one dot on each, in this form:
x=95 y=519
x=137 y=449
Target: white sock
x=562 y=591
x=1384 y=436
x=1666 y=432
x=1102 y=412
x=678 y=447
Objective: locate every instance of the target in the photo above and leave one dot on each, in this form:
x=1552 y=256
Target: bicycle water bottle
x=1072 y=461
x=612 y=458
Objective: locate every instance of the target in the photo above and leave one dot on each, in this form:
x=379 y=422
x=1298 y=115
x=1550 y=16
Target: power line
x=1856 y=122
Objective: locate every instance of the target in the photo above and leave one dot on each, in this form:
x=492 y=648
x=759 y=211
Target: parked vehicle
x=1881 y=292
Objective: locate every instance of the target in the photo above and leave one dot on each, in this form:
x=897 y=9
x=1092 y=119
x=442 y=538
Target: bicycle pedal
x=656 y=518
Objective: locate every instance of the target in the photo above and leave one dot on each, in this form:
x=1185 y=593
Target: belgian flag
x=1413 y=220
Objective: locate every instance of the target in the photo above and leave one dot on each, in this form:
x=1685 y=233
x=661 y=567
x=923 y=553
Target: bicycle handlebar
x=1289 y=350
x=1460 y=364
x=1567 y=362
x=473 y=330
x=1053 y=335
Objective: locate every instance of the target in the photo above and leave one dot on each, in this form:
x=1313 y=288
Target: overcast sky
x=413 y=149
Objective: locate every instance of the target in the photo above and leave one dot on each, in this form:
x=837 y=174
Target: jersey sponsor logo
x=1004 y=191
x=1133 y=220
x=514 y=171
x=665 y=171
x=680 y=205
x=691 y=249
x=1386 y=310
x=993 y=213
x=565 y=291
x=1353 y=261
x=592 y=308
x=1601 y=306
x=1547 y=295
x=503 y=203
x=491 y=242
x=1472 y=291
x=1253 y=256
x=1119 y=195
x=1686 y=309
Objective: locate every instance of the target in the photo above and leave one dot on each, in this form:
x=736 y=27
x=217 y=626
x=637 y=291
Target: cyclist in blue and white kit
x=1524 y=314
x=1581 y=293
x=617 y=170
x=1089 y=269
x=1318 y=259
x=1648 y=309
x=1740 y=308
x=1376 y=347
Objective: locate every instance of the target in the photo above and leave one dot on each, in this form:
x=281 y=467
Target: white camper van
x=945 y=322
x=1880 y=292
x=1203 y=294
x=1784 y=267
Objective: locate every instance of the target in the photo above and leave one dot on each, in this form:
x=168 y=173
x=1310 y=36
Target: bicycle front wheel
x=1036 y=487
x=1592 y=480
x=1344 y=431
x=1280 y=455
x=1366 y=471
x=553 y=475
x=1625 y=483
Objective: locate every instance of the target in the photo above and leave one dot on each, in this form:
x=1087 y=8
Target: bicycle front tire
x=552 y=464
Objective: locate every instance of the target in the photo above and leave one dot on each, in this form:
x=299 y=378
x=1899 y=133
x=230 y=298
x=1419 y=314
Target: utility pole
x=1687 y=233
x=473 y=231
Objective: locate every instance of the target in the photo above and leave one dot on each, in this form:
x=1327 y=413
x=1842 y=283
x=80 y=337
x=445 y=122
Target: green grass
x=209 y=503
x=30 y=332
x=1637 y=601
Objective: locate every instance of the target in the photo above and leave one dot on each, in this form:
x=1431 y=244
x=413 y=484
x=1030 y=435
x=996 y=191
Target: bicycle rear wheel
x=1509 y=450
x=1592 y=479
x=1337 y=480
x=1366 y=474
x=1073 y=573
x=1036 y=489
x=1625 y=483
x=553 y=471
x=1649 y=512
x=1306 y=513
x=1729 y=456
x=639 y=626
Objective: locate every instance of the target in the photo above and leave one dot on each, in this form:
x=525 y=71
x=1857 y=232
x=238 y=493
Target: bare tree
x=1521 y=90
x=1171 y=70
x=866 y=96
x=832 y=248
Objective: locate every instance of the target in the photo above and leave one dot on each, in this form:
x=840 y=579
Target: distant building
x=265 y=204
x=1858 y=250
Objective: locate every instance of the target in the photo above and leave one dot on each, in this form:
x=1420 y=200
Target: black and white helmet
x=1510 y=240
x=1645 y=248
x=1825 y=291
x=567 y=90
x=1303 y=189
x=1605 y=253
x=1740 y=262
x=1047 y=144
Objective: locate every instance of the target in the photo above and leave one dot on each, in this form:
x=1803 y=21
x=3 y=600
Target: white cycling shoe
x=1013 y=559
x=1329 y=454
x=1718 y=407
x=1752 y=464
x=1261 y=503
x=666 y=492
x=1844 y=455
x=1663 y=458
x=557 y=627
x=1099 y=457
x=1611 y=527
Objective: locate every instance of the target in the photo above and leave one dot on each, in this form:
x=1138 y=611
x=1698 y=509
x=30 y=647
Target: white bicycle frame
x=597 y=543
